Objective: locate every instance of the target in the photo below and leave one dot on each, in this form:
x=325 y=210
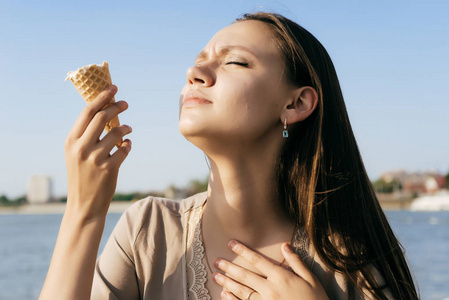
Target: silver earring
x=285 y=132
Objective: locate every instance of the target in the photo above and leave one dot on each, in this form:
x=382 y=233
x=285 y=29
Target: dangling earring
x=285 y=132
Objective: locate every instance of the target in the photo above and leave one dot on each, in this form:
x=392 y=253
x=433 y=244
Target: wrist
x=85 y=211
x=81 y=218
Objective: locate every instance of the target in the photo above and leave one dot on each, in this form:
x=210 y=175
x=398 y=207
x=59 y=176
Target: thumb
x=296 y=264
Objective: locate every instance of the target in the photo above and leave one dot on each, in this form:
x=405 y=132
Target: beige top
x=155 y=252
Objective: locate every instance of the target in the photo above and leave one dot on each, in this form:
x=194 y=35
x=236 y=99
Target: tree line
x=193 y=187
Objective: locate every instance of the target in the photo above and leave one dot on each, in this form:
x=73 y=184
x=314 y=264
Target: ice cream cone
x=90 y=81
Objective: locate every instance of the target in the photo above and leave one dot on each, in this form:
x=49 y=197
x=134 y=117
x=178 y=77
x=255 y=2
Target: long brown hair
x=321 y=180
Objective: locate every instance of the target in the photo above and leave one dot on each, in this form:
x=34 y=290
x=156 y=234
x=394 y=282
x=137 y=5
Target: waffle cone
x=90 y=81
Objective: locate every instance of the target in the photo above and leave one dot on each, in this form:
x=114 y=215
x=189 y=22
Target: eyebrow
x=224 y=50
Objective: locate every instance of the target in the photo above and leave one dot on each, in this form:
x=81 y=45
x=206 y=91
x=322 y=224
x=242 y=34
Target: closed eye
x=239 y=63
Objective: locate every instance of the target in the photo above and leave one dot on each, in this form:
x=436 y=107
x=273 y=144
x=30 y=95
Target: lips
x=192 y=98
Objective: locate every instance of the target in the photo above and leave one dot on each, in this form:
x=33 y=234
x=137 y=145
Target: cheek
x=249 y=107
x=260 y=97
x=236 y=100
x=246 y=91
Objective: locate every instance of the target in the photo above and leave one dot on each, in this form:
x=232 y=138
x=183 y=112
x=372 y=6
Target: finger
x=257 y=260
x=241 y=275
x=90 y=110
x=237 y=289
x=113 y=138
x=96 y=126
x=122 y=152
x=296 y=264
x=229 y=296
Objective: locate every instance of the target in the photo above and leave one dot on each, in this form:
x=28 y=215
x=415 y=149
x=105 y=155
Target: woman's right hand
x=91 y=170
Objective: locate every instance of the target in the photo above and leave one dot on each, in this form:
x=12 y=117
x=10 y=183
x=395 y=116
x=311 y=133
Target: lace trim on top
x=196 y=271
x=301 y=243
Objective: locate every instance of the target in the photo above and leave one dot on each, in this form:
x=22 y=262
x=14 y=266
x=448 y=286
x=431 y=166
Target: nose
x=200 y=75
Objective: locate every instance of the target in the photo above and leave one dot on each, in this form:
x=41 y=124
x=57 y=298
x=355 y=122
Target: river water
x=27 y=241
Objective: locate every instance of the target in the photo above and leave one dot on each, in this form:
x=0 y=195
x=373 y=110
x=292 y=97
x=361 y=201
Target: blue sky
x=391 y=58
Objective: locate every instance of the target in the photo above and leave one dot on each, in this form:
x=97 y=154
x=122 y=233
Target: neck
x=242 y=200
x=243 y=203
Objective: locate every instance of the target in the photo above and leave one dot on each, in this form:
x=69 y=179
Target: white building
x=435 y=202
x=39 y=189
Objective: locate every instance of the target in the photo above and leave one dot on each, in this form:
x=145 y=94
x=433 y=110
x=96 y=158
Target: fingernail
x=232 y=244
x=129 y=127
x=218 y=278
x=287 y=248
x=111 y=88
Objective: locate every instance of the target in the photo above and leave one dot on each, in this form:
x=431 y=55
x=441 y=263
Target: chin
x=187 y=126
x=193 y=122
x=190 y=128
x=197 y=134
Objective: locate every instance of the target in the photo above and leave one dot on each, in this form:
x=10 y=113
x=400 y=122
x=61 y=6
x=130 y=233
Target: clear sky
x=391 y=58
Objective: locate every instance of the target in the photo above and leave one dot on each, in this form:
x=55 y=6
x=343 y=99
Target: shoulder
x=176 y=208
x=153 y=211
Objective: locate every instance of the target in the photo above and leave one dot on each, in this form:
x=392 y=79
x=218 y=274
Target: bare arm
x=72 y=266
x=92 y=177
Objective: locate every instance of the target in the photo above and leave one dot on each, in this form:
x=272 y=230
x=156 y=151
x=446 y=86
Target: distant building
x=173 y=192
x=417 y=182
x=39 y=189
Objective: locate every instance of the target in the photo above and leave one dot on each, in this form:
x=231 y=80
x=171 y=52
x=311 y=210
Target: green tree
x=123 y=197
x=197 y=186
x=381 y=186
x=5 y=201
x=20 y=200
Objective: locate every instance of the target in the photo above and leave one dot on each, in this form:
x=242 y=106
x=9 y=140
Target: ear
x=302 y=104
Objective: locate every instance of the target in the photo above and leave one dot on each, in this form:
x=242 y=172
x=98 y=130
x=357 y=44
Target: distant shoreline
x=388 y=202
x=55 y=208
x=115 y=207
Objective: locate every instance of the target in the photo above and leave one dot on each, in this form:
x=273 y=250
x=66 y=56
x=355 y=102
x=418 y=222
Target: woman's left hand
x=277 y=283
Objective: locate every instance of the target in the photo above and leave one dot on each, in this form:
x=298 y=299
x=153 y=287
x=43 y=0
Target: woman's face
x=236 y=90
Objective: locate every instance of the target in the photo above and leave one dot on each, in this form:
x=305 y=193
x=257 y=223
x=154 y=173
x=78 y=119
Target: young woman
x=289 y=212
